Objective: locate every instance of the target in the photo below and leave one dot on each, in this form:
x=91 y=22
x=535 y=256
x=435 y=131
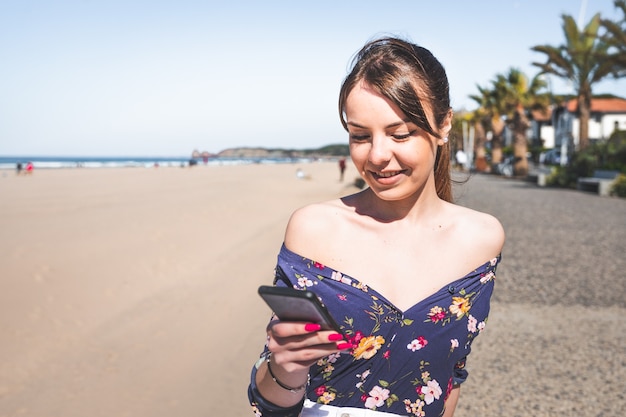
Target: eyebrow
x=398 y=123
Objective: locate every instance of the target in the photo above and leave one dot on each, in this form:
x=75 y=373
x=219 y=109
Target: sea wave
x=11 y=162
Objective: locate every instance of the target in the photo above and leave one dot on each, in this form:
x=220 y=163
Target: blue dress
x=403 y=362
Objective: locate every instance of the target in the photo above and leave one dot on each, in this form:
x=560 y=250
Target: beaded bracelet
x=280 y=384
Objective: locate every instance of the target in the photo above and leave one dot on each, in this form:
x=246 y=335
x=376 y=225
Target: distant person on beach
x=18 y=168
x=29 y=167
x=407 y=274
x=342 y=168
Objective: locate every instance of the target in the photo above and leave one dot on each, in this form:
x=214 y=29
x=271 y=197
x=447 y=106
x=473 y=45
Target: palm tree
x=475 y=119
x=490 y=114
x=584 y=60
x=518 y=96
x=615 y=36
x=478 y=119
x=507 y=104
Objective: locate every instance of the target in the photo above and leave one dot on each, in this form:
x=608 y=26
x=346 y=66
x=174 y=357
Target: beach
x=132 y=291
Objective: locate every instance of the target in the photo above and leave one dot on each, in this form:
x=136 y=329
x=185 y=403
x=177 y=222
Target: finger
x=293 y=359
x=328 y=341
x=305 y=348
x=279 y=328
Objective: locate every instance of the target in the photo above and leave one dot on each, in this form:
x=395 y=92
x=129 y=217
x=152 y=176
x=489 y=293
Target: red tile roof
x=601 y=105
x=542 y=116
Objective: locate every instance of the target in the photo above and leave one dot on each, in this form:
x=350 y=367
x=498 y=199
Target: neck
x=419 y=206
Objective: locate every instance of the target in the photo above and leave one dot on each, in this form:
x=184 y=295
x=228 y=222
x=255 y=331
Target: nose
x=380 y=152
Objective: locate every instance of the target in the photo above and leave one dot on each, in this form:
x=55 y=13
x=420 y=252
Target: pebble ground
x=555 y=342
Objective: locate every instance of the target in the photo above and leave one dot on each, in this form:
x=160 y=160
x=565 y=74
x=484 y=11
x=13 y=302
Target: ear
x=445 y=128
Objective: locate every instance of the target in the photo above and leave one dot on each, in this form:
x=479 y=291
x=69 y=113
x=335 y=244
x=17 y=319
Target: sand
x=132 y=292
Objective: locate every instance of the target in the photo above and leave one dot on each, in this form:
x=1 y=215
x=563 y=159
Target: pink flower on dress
x=304 y=282
x=338 y=276
x=358 y=335
x=454 y=343
x=436 y=314
x=471 y=324
x=487 y=277
x=432 y=391
x=377 y=397
x=417 y=344
x=332 y=358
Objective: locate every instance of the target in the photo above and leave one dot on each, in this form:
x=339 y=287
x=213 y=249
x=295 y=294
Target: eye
x=403 y=136
x=359 y=138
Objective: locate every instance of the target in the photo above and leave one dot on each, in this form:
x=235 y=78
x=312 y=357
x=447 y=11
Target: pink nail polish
x=312 y=327
x=343 y=346
x=335 y=337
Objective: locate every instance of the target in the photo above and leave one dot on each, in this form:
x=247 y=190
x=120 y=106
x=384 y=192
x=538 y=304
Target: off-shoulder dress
x=403 y=362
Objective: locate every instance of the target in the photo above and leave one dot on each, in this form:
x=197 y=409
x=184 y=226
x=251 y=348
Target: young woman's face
x=394 y=156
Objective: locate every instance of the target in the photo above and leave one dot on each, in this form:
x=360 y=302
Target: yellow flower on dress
x=368 y=346
x=327 y=397
x=460 y=306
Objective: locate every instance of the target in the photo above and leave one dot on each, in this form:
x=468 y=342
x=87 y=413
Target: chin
x=392 y=194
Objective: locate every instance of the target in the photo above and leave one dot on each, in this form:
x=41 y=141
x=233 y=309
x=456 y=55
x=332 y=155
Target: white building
x=541 y=129
x=607 y=115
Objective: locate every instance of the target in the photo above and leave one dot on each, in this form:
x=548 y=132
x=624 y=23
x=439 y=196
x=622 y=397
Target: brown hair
x=411 y=77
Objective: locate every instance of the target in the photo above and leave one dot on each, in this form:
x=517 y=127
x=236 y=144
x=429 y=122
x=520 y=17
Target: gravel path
x=555 y=344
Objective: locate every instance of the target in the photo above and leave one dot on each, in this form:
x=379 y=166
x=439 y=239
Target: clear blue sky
x=162 y=78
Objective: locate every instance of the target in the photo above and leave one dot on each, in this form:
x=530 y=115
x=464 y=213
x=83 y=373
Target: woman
x=406 y=273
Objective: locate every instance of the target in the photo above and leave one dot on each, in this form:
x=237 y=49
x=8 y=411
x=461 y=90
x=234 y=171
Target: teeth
x=387 y=174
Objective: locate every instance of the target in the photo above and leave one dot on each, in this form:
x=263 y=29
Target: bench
x=601 y=182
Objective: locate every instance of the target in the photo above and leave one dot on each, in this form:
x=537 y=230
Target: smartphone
x=290 y=304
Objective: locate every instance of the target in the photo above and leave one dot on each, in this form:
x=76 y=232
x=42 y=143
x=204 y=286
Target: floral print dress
x=402 y=362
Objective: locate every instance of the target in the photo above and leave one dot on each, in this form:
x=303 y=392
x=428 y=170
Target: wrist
x=294 y=389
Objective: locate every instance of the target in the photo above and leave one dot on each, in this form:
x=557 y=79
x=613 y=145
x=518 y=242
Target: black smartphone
x=290 y=304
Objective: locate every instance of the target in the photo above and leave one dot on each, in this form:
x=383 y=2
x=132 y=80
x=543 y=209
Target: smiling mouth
x=388 y=174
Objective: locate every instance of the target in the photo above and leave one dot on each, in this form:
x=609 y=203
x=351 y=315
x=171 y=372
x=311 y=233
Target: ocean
x=51 y=162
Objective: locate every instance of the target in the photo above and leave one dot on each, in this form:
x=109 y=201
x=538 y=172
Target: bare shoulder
x=309 y=226
x=484 y=230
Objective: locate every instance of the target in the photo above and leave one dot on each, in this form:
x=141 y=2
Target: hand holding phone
x=290 y=304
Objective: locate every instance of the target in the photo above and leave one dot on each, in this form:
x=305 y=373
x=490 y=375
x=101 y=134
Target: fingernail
x=312 y=327
x=335 y=337
x=342 y=346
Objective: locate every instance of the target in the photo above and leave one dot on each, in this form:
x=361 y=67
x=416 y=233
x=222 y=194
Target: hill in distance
x=259 y=152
